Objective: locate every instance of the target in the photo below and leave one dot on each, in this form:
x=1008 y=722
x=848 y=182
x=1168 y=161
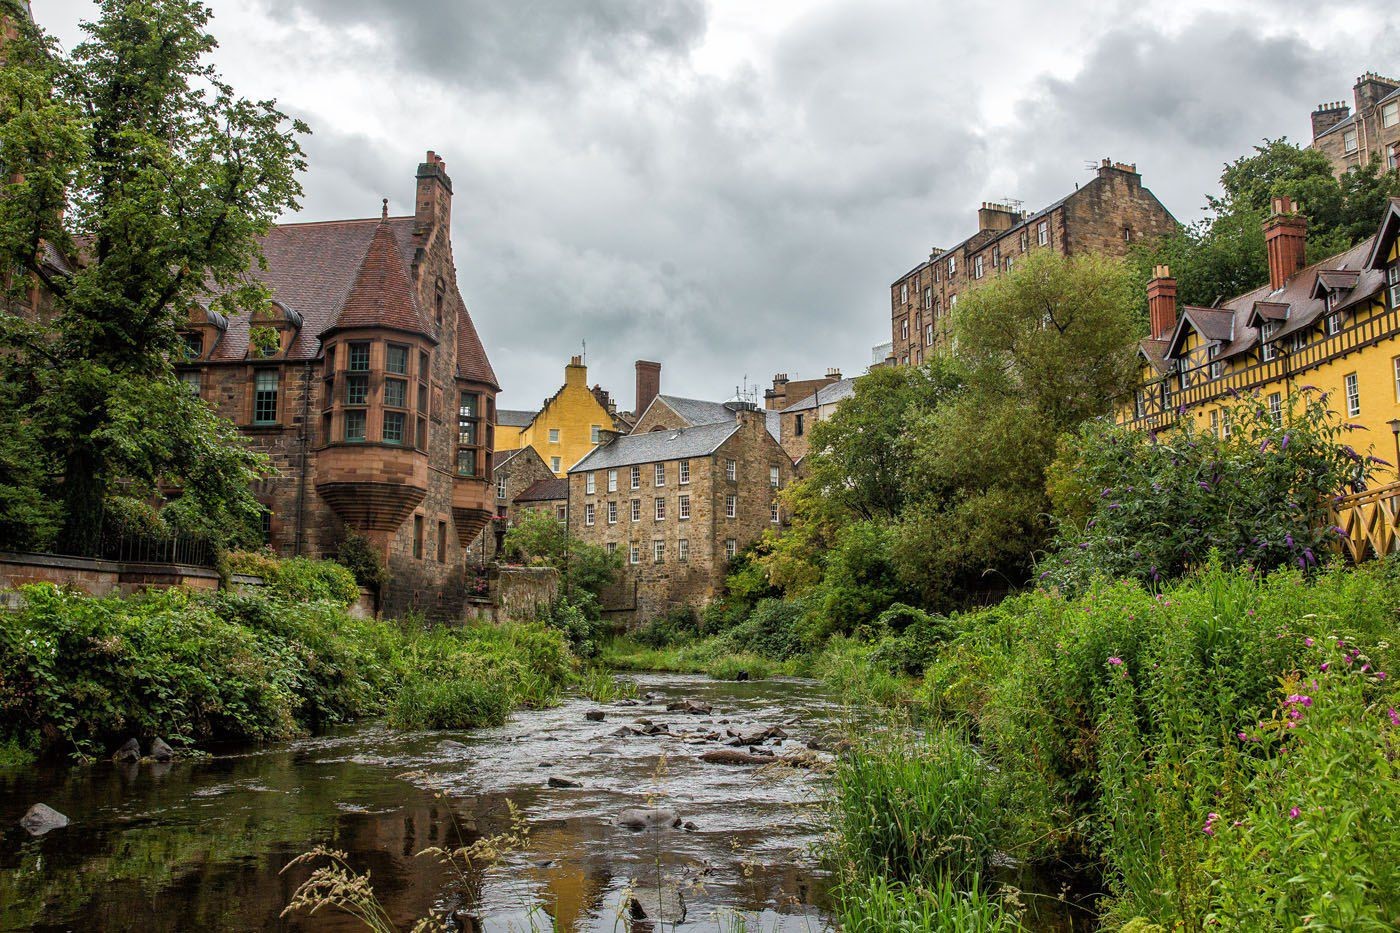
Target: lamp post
x=1395 y=430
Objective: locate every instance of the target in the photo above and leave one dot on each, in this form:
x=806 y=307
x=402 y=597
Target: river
x=201 y=844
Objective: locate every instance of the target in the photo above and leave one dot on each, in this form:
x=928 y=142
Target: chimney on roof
x=992 y=216
x=1285 y=238
x=1161 y=302
x=833 y=374
x=775 y=398
x=648 y=384
x=433 y=197
x=576 y=374
x=1328 y=115
x=1370 y=88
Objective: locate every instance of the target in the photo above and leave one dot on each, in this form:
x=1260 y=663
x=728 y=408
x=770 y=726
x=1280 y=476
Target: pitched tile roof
x=680 y=444
x=696 y=411
x=513 y=417
x=472 y=362
x=837 y=391
x=501 y=457
x=545 y=490
x=382 y=294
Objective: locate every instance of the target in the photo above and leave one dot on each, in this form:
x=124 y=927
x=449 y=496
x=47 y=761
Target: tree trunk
x=83 y=495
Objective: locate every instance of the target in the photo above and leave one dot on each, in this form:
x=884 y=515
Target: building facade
x=567 y=426
x=1333 y=324
x=514 y=472
x=787 y=391
x=797 y=420
x=677 y=504
x=1370 y=133
x=366 y=383
x=1108 y=215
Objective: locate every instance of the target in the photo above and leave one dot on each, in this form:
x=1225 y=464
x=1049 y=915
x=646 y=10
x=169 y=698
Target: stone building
x=1370 y=133
x=1107 y=215
x=568 y=424
x=797 y=419
x=787 y=391
x=550 y=496
x=677 y=503
x=1333 y=324
x=365 y=381
x=670 y=412
x=515 y=472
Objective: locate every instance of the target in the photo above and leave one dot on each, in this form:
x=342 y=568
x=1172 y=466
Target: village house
x=567 y=425
x=797 y=420
x=1371 y=133
x=515 y=472
x=677 y=504
x=1108 y=215
x=1333 y=324
x=365 y=381
x=549 y=496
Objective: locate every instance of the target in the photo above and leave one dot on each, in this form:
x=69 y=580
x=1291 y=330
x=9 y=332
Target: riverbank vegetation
x=79 y=675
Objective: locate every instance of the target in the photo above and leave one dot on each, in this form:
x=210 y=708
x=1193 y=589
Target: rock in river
x=41 y=818
x=595 y=715
x=131 y=751
x=563 y=782
x=160 y=751
x=648 y=818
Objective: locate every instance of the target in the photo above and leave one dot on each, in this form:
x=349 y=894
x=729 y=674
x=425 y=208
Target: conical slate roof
x=382 y=293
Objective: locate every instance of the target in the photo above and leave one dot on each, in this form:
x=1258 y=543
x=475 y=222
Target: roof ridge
x=344 y=220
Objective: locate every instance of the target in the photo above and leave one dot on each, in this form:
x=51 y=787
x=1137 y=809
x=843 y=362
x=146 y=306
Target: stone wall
x=100 y=577
x=521 y=592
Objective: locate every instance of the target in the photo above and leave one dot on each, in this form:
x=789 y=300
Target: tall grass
x=600 y=686
x=878 y=905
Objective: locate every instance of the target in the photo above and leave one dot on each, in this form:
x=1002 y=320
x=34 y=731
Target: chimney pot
x=648 y=383
x=1161 y=302
x=1285 y=239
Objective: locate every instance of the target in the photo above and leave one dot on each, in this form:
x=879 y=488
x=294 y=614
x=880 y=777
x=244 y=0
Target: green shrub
x=455 y=703
x=913 y=641
x=580 y=618
x=679 y=626
x=357 y=555
x=298 y=579
x=775 y=629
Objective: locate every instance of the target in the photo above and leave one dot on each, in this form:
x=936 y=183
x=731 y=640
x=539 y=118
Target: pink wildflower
x=1394 y=718
x=1116 y=661
x=1308 y=642
x=1293 y=813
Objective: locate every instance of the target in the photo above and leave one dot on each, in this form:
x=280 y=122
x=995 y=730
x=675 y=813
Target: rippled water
x=201 y=845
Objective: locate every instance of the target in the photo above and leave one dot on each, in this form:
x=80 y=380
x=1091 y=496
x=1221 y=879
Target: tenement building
x=514 y=472
x=798 y=418
x=364 y=380
x=1370 y=133
x=678 y=504
x=568 y=424
x=1107 y=215
x=1333 y=324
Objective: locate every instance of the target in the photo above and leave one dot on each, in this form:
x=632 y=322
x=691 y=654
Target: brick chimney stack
x=1285 y=238
x=648 y=384
x=433 y=199
x=1161 y=302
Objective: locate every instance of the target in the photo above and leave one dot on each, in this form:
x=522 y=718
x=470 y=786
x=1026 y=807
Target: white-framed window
x=952 y=265
x=1217 y=365
x=636 y=477
x=658 y=551
x=996 y=256
x=1299 y=341
x=192 y=380
x=683 y=550
x=561 y=513
x=1392 y=279
x=952 y=302
x=555 y=464
x=1042 y=233
x=1025 y=242
x=612 y=481
x=612 y=513
x=731 y=505
x=1215 y=421
x=928 y=335
x=928 y=297
x=1333 y=324
x=773 y=513
x=636 y=510
x=1349 y=140
x=731 y=548
x=731 y=469
x=683 y=469
x=660 y=509
x=1392 y=156
x=590 y=484
x=1390 y=114
x=903 y=292
x=1010 y=261
x=554 y=435
x=661 y=474
x=1353 y=393
x=775 y=477
x=977 y=267
x=610 y=548
x=904 y=329
x=1395 y=368
x=1266 y=336
x=683 y=506
x=634 y=553
x=595 y=433
x=1225 y=425
x=590 y=513
x=500 y=487
x=1276 y=407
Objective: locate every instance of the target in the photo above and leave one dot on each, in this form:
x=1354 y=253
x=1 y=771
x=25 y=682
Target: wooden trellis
x=1368 y=522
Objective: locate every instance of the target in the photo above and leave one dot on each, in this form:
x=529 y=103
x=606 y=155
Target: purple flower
x=1284 y=445
x=1209 y=828
x=1381 y=675
x=1204 y=485
x=1394 y=717
x=1308 y=642
x=1116 y=661
x=1288 y=539
x=1293 y=813
x=1264 y=446
x=1324 y=666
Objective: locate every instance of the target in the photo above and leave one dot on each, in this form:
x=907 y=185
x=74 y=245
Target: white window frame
x=590 y=484
x=775 y=477
x=634 y=554
x=612 y=481
x=682 y=507
x=658 y=551
x=610 y=548
x=683 y=550
x=1042 y=233
x=555 y=464
x=1392 y=279
x=1349 y=140
x=731 y=469
x=595 y=432
x=1332 y=324
x=774 y=515
x=1352 y=388
x=683 y=471
x=1390 y=114
x=731 y=548
x=501 y=487
x=590 y=513
x=1217 y=365
x=1276 y=408
x=977 y=267
x=636 y=510
x=660 y=510
x=928 y=297
x=636 y=477
x=731 y=505
x=612 y=513
x=554 y=435
x=1215 y=421
x=1395 y=367
x=660 y=475
x=928 y=335
x=952 y=265
x=904 y=329
x=1266 y=346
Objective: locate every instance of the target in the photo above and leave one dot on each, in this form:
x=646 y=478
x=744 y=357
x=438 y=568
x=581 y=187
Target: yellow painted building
x=566 y=428
x=1334 y=324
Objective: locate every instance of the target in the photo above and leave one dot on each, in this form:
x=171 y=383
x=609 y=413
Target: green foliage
x=298 y=579
x=1124 y=719
x=679 y=626
x=875 y=905
x=357 y=555
x=600 y=686
x=861 y=580
x=912 y=639
x=579 y=618
x=915 y=810
x=132 y=142
x=1222 y=255
x=774 y=629
x=541 y=541
x=1152 y=506
x=82 y=674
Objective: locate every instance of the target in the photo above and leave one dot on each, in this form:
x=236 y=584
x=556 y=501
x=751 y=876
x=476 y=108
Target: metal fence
x=146 y=549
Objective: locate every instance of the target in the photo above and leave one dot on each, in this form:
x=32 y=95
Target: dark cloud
x=500 y=43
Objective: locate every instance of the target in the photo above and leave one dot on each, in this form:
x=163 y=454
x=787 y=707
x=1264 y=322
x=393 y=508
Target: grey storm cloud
x=504 y=42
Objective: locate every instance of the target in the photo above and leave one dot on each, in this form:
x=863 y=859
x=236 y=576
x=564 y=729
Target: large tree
x=130 y=157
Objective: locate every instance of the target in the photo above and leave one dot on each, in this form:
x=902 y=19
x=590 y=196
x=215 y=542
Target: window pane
x=354 y=425
x=393 y=427
x=466 y=462
x=395 y=393
x=265 y=396
x=356 y=390
x=396 y=359
x=422 y=399
x=359 y=357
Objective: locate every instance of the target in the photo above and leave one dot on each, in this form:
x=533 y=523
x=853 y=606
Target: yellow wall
x=1374 y=366
x=573 y=412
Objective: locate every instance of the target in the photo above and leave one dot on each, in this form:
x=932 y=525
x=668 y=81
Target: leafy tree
x=541 y=540
x=131 y=155
x=1154 y=506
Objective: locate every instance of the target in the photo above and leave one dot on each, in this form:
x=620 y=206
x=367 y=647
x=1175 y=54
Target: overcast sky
x=729 y=186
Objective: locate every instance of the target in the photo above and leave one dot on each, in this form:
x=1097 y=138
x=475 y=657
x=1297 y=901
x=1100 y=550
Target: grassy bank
x=80 y=675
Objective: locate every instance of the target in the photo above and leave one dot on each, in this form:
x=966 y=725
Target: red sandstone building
x=365 y=381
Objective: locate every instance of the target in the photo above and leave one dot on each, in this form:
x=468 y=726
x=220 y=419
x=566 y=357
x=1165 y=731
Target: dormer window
x=1300 y=340
x=1333 y=322
x=1266 y=335
x=1217 y=365
x=193 y=345
x=1392 y=279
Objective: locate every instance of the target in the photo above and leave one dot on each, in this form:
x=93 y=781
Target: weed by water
x=877 y=905
x=600 y=686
